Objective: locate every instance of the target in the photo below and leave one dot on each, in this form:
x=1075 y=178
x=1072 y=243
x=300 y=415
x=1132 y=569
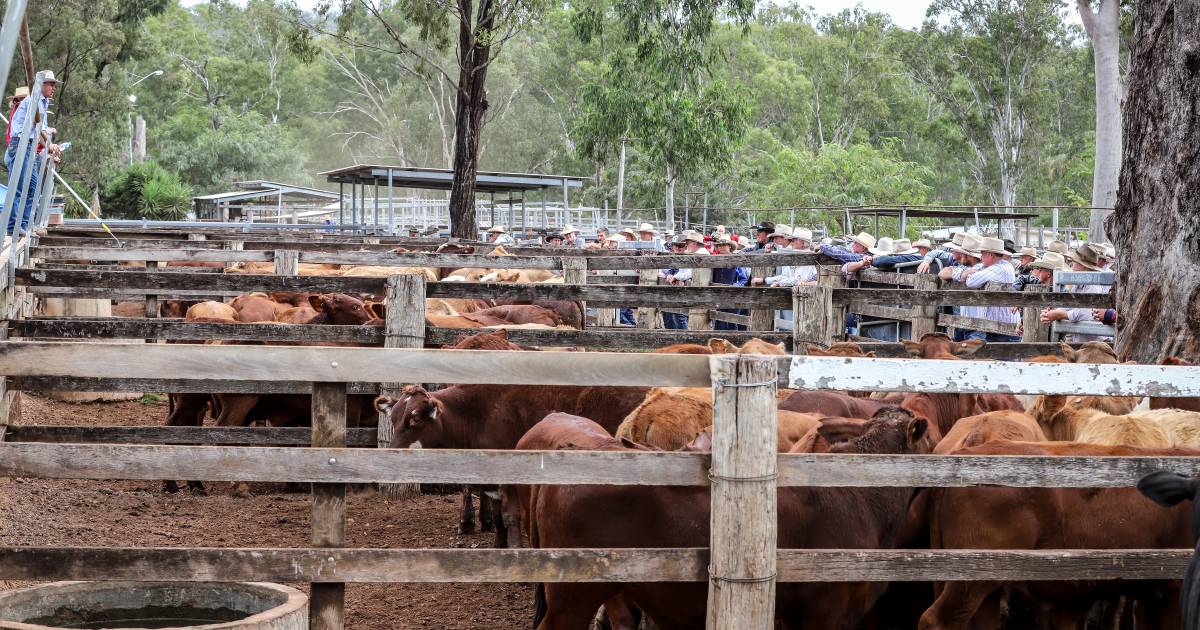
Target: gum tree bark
x=1156 y=225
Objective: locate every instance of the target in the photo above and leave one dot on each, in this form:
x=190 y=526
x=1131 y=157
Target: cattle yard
x=741 y=564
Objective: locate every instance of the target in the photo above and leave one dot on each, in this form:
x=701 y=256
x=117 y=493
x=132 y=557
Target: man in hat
x=28 y=165
x=571 y=236
x=790 y=276
x=993 y=267
x=860 y=246
x=1086 y=257
x=554 y=239
x=629 y=234
x=648 y=234
x=19 y=95
x=762 y=238
x=498 y=234
x=1108 y=254
x=944 y=256
x=902 y=252
x=1059 y=247
x=729 y=276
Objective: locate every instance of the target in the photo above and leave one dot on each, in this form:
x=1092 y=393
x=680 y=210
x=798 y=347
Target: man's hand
x=757 y=282
x=924 y=266
x=1052 y=315
x=947 y=273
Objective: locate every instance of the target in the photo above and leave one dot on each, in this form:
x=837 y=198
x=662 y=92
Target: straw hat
x=646 y=227
x=48 y=76
x=20 y=92
x=1087 y=255
x=955 y=241
x=923 y=243
x=723 y=239
x=903 y=247
x=992 y=245
x=883 y=248
x=1110 y=252
x=971 y=244
x=628 y=233
x=569 y=229
x=864 y=239
x=1027 y=251
x=1058 y=247
x=1053 y=261
x=497 y=229
x=615 y=238
x=782 y=230
x=801 y=234
x=693 y=236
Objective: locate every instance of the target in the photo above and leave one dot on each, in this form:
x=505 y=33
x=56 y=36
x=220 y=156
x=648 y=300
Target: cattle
x=811 y=518
x=297 y=315
x=671 y=417
x=1053 y=518
x=1181 y=426
x=210 y=311
x=753 y=346
x=936 y=345
x=1190 y=403
x=684 y=348
x=1012 y=426
x=431 y=274
x=831 y=404
x=256 y=307
x=838 y=349
x=1169 y=489
x=570 y=312
x=339 y=309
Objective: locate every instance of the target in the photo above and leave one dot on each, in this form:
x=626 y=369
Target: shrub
x=146 y=190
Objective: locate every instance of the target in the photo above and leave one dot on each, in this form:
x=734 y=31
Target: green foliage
x=146 y=190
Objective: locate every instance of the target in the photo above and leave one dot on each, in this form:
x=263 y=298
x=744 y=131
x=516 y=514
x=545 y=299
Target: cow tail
x=539 y=604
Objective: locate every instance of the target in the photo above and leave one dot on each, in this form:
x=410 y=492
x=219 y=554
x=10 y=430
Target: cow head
x=891 y=430
x=940 y=346
x=1090 y=352
x=416 y=418
x=340 y=309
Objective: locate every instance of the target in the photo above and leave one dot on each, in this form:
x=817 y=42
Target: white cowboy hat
x=992 y=245
x=864 y=239
x=497 y=229
x=615 y=238
x=970 y=246
x=903 y=247
x=1110 y=252
x=48 y=76
x=883 y=248
x=569 y=229
x=693 y=236
x=923 y=243
x=1053 y=261
x=802 y=234
x=646 y=227
x=782 y=230
x=1027 y=251
x=1058 y=247
x=955 y=242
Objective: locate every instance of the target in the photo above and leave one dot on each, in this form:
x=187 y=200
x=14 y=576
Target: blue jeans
x=673 y=321
x=29 y=169
x=989 y=337
x=627 y=318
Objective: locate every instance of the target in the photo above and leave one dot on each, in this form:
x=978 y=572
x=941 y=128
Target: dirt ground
x=98 y=513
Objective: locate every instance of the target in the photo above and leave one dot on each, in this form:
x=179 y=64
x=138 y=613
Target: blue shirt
x=840 y=253
x=18 y=118
x=893 y=260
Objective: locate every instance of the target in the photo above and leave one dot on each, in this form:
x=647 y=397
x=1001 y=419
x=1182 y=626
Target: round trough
x=197 y=605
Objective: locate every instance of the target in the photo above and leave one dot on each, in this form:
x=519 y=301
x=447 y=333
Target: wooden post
x=810 y=316
x=698 y=317
x=924 y=317
x=404 y=327
x=192 y=236
x=152 y=309
x=741 y=586
x=761 y=318
x=236 y=246
x=287 y=262
x=1032 y=328
x=831 y=276
x=326 y=605
x=575 y=272
x=646 y=316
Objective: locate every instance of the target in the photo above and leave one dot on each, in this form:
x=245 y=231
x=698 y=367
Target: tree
x=1155 y=227
x=983 y=60
x=1103 y=27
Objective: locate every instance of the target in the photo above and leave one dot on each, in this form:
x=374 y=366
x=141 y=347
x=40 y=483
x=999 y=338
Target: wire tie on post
x=725 y=383
x=714 y=477
x=742 y=580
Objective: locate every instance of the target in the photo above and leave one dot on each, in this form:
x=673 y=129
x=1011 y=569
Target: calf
x=810 y=518
x=1012 y=426
x=256 y=307
x=1053 y=518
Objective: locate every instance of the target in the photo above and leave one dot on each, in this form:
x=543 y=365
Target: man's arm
x=995 y=273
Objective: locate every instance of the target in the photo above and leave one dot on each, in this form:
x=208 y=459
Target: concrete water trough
x=195 y=605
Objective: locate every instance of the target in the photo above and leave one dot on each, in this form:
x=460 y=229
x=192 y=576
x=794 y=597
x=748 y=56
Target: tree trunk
x=469 y=107
x=670 y=208
x=1103 y=28
x=1155 y=229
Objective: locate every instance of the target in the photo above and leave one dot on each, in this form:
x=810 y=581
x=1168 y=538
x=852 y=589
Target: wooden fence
x=741 y=564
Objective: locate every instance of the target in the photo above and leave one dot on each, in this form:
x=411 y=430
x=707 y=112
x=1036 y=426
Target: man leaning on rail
x=30 y=163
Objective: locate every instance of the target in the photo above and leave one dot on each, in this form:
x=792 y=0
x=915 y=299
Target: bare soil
x=38 y=512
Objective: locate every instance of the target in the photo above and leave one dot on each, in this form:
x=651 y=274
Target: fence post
x=1032 y=328
x=924 y=317
x=831 y=276
x=810 y=316
x=404 y=327
x=192 y=236
x=326 y=606
x=575 y=273
x=698 y=317
x=237 y=246
x=287 y=262
x=762 y=318
x=647 y=316
x=741 y=586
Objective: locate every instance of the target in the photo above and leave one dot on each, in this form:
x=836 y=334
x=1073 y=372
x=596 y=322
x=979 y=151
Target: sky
x=905 y=13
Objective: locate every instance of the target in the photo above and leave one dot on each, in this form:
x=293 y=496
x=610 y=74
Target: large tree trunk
x=1156 y=226
x=669 y=211
x=469 y=107
x=1103 y=28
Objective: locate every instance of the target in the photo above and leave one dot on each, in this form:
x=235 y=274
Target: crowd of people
x=976 y=261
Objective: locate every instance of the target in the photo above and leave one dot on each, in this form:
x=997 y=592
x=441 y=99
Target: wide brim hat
x=497 y=229
x=1053 y=261
x=1027 y=251
x=882 y=248
x=864 y=239
x=723 y=239
x=923 y=243
x=782 y=230
x=1059 y=247
x=646 y=227
x=1086 y=255
x=569 y=229
x=694 y=237
x=20 y=92
x=765 y=226
x=1110 y=252
x=553 y=235
x=802 y=234
x=992 y=245
x=903 y=247
x=970 y=246
x=628 y=232
x=48 y=76
x=615 y=238
x=955 y=242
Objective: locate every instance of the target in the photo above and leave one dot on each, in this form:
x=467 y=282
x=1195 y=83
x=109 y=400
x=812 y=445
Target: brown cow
x=684 y=348
x=1012 y=426
x=831 y=404
x=256 y=307
x=937 y=345
x=838 y=349
x=1054 y=518
x=570 y=312
x=210 y=311
x=516 y=314
x=811 y=518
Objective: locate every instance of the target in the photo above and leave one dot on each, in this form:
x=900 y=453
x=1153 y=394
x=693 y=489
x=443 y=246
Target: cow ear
x=317 y=302
x=378 y=310
x=815 y=351
x=917 y=427
x=384 y=404
x=913 y=347
x=1067 y=351
x=628 y=443
x=435 y=407
x=501 y=333
x=721 y=346
x=870 y=354
x=968 y=348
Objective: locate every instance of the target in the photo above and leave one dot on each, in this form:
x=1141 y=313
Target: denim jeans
x=989 y=337
x=29 y=169
x=673 y=321
x=627 y=318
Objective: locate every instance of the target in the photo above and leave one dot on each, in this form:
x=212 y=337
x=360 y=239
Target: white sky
x=905 y=13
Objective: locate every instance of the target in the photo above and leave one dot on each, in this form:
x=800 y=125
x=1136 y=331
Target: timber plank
x=915 y=297
x=211 y=436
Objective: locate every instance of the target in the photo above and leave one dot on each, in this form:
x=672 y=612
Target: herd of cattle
x=480 y=416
